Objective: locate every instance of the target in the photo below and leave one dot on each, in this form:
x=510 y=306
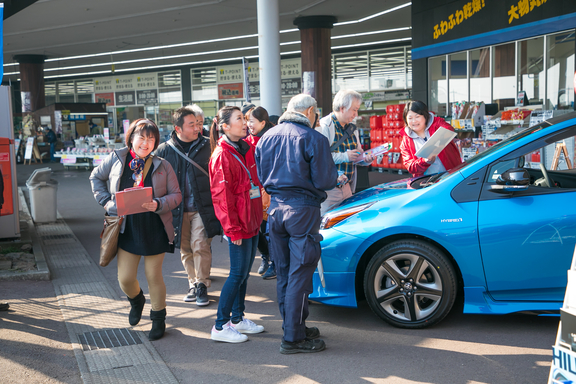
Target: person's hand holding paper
x=134 y=200
x=439 y=140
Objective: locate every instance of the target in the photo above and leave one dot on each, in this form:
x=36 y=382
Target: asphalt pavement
x=37 y=341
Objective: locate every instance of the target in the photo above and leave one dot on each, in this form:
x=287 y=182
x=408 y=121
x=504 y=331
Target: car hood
x=379 y=192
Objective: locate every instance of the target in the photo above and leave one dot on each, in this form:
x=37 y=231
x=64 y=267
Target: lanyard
x=242 y=164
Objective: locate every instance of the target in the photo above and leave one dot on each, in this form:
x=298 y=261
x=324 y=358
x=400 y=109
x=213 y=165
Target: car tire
x=410 y=284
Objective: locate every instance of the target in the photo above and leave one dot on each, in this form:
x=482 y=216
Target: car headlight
x=331 y=219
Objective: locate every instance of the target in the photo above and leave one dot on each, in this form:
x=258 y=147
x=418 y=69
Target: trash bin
x=42 y=195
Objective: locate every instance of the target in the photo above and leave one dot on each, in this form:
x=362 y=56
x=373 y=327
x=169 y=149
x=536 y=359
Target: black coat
x=200 y=184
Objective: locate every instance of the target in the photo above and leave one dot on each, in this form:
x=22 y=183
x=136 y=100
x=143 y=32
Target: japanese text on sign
x=523 y=8
x=458 y=17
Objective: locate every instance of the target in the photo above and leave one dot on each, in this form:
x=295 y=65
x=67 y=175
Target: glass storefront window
x=560 y=58
x=169 y=99
x=531 y=69
x=85 y=91
x=504 y=81
x=350 y=72
x=204 y=86
x=66 y=92
x=50 y=93
x=387 y=69
x=437 y=98
x=479 y=67
x=458 y=77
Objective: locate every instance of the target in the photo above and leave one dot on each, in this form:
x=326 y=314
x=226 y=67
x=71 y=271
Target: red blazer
x=450 y=156
x=239 y=215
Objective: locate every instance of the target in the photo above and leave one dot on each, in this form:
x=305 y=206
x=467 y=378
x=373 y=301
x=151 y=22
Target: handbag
x=111 y=230
x=109 y=236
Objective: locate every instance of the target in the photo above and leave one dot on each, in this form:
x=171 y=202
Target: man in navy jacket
x=295 y=167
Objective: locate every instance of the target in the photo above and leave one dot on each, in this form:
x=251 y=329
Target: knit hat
x=246 y=107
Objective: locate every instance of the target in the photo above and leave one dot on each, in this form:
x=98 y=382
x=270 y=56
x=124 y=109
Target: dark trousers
x=295 y=249
x=262 y=240
x=231 y=304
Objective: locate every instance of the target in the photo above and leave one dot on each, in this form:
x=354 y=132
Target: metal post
x=269 y=56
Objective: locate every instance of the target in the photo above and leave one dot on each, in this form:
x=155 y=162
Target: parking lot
x=360 y=347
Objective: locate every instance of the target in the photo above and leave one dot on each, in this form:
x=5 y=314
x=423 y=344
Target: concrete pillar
x=316 y=47
x=269 y=56
x=32 y=80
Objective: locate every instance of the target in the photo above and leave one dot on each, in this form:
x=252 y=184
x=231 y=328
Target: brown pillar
x=32 y=81
x=316 y=50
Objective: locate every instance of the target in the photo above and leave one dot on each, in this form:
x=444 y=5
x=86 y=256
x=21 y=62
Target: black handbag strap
x=187 y=158
x=347 y=134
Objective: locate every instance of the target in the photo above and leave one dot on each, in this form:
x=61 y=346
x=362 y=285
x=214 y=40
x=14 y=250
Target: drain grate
x=108 y=338
x=57 y=237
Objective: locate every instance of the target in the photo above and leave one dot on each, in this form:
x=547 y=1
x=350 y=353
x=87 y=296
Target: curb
x=43 y=272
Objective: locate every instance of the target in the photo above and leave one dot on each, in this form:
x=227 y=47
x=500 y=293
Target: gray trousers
x=295 y=249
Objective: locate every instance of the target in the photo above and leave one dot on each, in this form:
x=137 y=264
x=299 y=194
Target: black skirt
x=144 y=233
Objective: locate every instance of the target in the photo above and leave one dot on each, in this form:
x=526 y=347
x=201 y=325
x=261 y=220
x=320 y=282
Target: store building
x=490 y=51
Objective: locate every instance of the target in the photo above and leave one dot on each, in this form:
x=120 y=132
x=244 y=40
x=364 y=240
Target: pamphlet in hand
x=439 y=140
x=130 y=200
x=379 y=150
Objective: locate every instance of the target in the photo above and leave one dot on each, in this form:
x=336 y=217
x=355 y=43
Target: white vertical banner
x=246 y=80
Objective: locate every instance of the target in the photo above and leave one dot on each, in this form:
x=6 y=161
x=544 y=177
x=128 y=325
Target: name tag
x=254 y=192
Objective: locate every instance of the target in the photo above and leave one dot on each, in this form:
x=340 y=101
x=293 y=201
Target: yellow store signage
x=458 y=17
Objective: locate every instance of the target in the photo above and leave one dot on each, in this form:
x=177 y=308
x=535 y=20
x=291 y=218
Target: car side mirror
x=513 y=180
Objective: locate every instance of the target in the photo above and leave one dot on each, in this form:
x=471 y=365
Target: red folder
x=130 y=200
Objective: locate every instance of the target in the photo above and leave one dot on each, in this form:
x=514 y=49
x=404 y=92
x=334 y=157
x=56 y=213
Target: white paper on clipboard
x=435 y=144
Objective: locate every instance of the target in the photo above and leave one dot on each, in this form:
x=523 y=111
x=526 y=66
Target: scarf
x=137 y=166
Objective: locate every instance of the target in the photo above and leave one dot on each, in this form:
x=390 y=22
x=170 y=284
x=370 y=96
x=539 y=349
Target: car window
x=499 y=168
x=552 y=165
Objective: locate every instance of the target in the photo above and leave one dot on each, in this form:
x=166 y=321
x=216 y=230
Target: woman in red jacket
x=420 y=125
x=236 y=196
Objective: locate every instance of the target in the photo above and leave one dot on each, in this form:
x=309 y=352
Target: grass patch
x=9 y=249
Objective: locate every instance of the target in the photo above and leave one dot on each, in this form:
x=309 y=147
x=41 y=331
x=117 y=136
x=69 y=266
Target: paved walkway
x=106 y=348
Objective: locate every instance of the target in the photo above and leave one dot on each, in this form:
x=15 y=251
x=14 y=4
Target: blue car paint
x=397 y=211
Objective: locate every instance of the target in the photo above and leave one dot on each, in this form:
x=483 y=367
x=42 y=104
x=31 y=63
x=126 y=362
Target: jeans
x=231 y=304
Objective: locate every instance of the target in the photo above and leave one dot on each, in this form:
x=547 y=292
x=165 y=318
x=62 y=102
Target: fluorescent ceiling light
x=213 y=40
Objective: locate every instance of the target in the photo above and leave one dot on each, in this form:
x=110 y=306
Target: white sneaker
x=228 y=334
x=247 y=326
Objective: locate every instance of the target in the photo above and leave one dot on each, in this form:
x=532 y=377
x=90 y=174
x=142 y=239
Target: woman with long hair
x=149 y=234
x=238 y=205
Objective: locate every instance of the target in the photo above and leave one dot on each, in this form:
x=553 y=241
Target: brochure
x=435 y=144
x=379 y=150
x=130 y=200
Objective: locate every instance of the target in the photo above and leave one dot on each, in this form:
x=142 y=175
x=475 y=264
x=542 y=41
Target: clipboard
x=130 y=200
x=435 y=144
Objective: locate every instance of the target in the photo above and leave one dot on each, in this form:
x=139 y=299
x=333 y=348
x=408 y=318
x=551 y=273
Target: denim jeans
x=231 y=304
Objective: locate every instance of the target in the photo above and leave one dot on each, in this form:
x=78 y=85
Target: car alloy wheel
x=410 y=284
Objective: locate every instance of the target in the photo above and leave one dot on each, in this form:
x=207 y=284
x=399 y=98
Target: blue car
x=499 y=229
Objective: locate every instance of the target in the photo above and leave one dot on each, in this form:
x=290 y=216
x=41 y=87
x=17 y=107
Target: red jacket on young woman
x=239 y=215
x=450 y=156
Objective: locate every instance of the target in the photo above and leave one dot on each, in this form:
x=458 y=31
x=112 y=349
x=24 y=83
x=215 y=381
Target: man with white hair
x=295 y=167
x=200 y=119
x=339 y=129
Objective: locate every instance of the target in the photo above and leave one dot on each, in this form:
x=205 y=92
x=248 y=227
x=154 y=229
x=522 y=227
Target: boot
x=137 y=304
x=158 y=324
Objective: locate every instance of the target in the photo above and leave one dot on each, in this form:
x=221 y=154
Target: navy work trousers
x=295 y=248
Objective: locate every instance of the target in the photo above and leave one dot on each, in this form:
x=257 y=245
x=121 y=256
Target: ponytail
x=214 y=136
x=222 y=117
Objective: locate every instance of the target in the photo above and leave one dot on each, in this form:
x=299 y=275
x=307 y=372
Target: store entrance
x=127 y=113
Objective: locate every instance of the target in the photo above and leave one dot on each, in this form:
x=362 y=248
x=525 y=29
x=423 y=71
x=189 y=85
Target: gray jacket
x=165 y=186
